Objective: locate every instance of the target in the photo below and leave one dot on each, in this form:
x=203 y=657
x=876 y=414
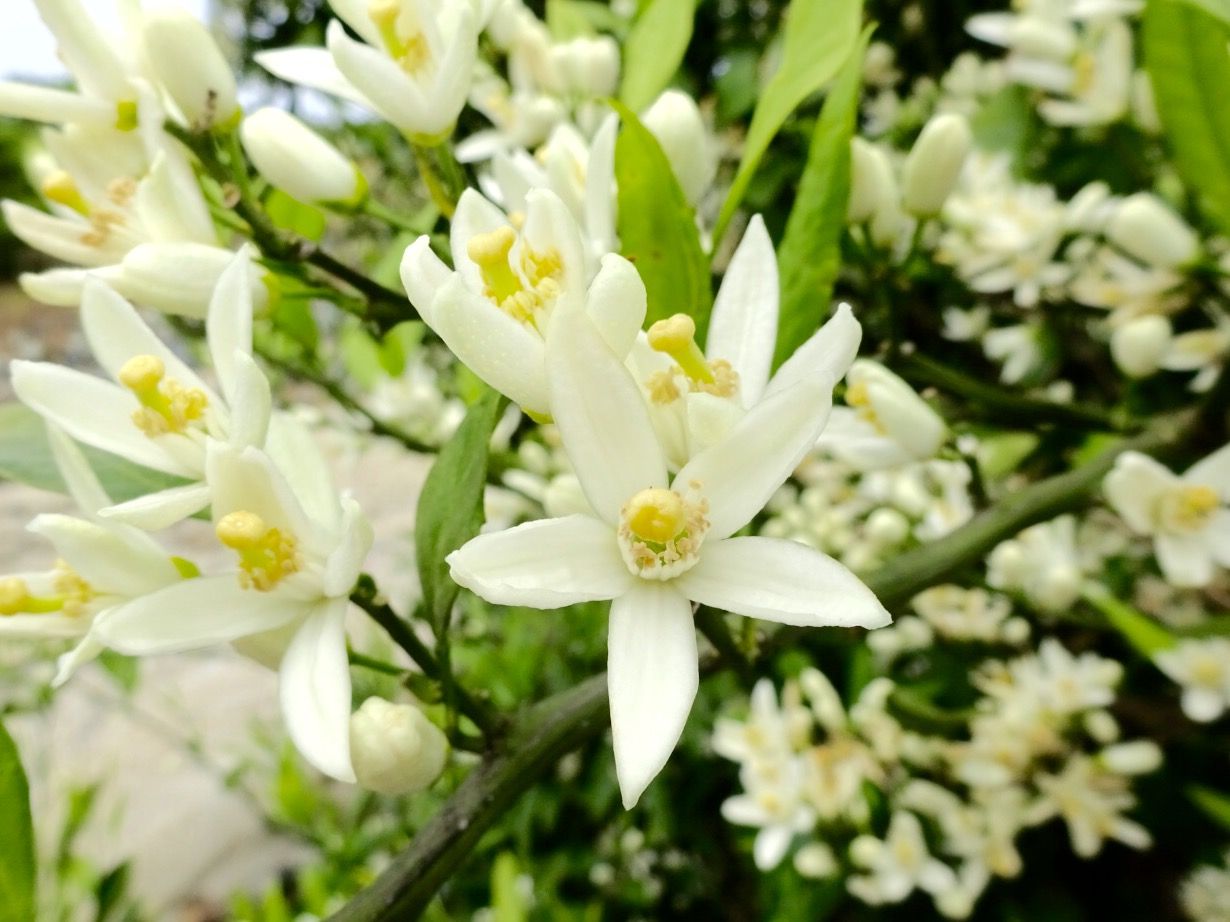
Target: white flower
x=1202 y=667
x=1042 y=562
x=394 y=748
x=299 y=161
x=1017 y=348
x=965 y=614
x=898 y=864
x=1091 y=801
x=652 y=545
x=873 y=186
x=188 y=65
x=1140 y=345
x=299 y=551
x=776 y=807
x=1205 y=893
x=1186 y=516
x=496 y=310
x=155 y=410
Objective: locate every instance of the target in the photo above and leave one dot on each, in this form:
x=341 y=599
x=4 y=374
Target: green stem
x=431 y=179
x=415 y=224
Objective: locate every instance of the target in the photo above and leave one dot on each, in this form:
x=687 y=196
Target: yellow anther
x=60 y=187
x=662 y=387
x=859 y=396
x=266 y=555
x=126 y=115
x=166 y=405
x=1189 y=508
x=120 y=191
x=73 y=592
x=142 y=373
x=676 y=336
x=13 y=595
x=656 y=515
x=490 y=253
x=72 y=595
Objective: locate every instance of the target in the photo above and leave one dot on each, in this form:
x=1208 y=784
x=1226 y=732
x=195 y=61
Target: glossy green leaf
x=290 y=214
x=657 y=227
x=16 y=836
x=654 y=50
x=1213 y=804
x=819 y=35
x=1185 y=53
x=25 y=457
x=809 y=257
x=1145 y=635
x=450 y=509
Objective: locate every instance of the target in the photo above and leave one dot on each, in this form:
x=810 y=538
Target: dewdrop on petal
x=1147 y=229
x=1139 y=346
x=297 y=160
x=394 y=748
x=188 y=64
x=934 y=164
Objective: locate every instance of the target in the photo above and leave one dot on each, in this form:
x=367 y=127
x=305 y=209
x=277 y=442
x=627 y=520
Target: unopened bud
x=189 y=66
x=298 y=161
x=872 y=185
x=1138 y=757
x=178 y=278
x=1139 y=346
x=588 y=66
x=394 y=748
x=676 y=122
x=934 y=164
x=1146 y=228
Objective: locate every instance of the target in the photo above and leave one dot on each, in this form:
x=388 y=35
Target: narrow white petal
x=250 y=400
x=343 y=566
x=247 y=480
x=1213 y=471
x=79 y=478
x=652 y=672
x=169 y=201
x=385 y=86
x=423 y=274
x=743 y=327
x=550 y=563
x=781 y=581
x=195 y=613
x=55 y=287
x=156 y=511
x=91 y=410
x=68 y=663
x=739 y=474
x=112 y=559
x=228 y=325
x=1186 y=560
x=600 y=186
x=602 y=417
x=825 y=357
x=314 y=685
x=771 y=846
x=617 y=302
x=62 y=238
x=312 y=67
x=44 y=104
x=298 y=457
x=1133 y=488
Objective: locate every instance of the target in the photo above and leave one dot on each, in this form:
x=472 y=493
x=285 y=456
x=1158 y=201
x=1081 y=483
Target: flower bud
x=298 y=161
x=394 y=748
x=1144 y=227
x=178 y=278
x=1139 y=346
x=189 y=66
x=895 y=409
x=872 y=185
x=887 y=526
x=934 y=164
x=1138 y=757
x=676 y=122
x=588 y=66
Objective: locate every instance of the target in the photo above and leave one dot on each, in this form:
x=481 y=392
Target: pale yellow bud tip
x=673 y=334
x=142 y=372
x=241 y=531
x=656 y=515
x=492 y=247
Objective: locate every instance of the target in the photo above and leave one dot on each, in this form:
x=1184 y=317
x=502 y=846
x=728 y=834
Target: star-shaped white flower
x=653 y=545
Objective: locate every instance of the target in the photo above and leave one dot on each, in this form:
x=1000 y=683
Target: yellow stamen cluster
x=520 y=295
x=266 y=555
x=71 y=594
x=1188 y=508
x=74 y=592
x=166 y=405
x=676 y=336
x=411 y=53
x=661 y=531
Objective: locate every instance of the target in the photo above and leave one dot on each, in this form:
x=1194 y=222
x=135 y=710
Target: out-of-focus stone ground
x=160 y=755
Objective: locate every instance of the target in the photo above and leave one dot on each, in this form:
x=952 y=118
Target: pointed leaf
x=654 y=50
x=16 y=836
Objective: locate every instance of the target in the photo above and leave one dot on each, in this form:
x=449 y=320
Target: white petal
x=169 y=201
x=825 y=357
x=550 y=228
x=91 y=410
x=652 y=672
x=1202 y=704
x=44 y=104
x=739 y=474
x=500 y=350
x=251 y=403
x=56 y=287
x=156 y=511
x=312 y=67
x=617 y=302
x=343 y=566
x=1133 y=487
x=600 y=186
x=602 y=417
x=709 y=420
x=314 y=685
x=62 y=238
x=228 y=325
x=298 y=457
x=79 y=478
x=423 y=274
x=771 y=846
x=743 y=809
x=247 y=480
x=743 y=327
x=1213 y=471
x=550 y=563
x=474 y=215
x=385 y=86
x=781 y=581
x=115 y=560
x=195 y=613
x=1217 y=536
x=1185 y=560
x=70 y=662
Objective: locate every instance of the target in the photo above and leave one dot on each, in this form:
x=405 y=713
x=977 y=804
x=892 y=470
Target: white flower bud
x=178 y=278
x=588 y=66
x=895 y=409
x=394 y=748
x=298 y=161
x=934 y=164
x=1102 y=726
x=815 y=860
x=189 y=66
x=1146 y=228
x=872 y=185
x=887 y=526
x=676 y=122
x=1139 y=346
x=1138 y=757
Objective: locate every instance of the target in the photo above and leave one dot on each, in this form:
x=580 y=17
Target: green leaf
x=110 y=893
x=25 y=457
x=16 y=837
x=507 y=903
x=809 y=257
x=1218 y=8
x=1189 y=66
x=1006 y=122
x=1142 y=632
x=566 y=20
x=450 y=509
x=819 y=35
x=654 y=50
x=293 y=215
x=1213 y=804
x=657 y=228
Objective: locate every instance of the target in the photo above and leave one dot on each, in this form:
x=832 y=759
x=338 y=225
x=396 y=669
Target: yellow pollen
x=656 y=515
x=120 y=191
x=102 y=222
x=166 y=405
x=126 y=115
x=74 y=592
x=266 y=555
x=662 y=387
x=859 y=397
x=412 y=54
x=492 y=253
x=675 y=336
x=60 y=187
x=1190 y=508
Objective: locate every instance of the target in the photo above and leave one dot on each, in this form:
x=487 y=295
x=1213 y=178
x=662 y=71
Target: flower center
x=266 y=555
x=1187 y=509
x=661 y=531
x=166 y=405
x=70 y=594
x=859 y=396
x=676 y=336
x=522 y=295
x=411 y=53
